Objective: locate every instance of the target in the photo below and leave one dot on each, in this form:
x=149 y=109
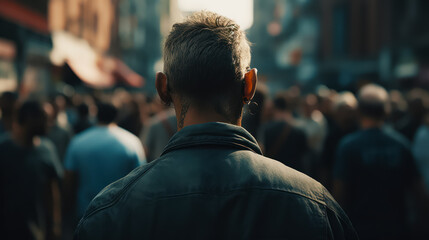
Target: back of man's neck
x=24 y=141
x=371 y=123
x=106 y=124
x=194 y=116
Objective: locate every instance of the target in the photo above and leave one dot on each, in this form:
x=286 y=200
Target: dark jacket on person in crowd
x=211 y=182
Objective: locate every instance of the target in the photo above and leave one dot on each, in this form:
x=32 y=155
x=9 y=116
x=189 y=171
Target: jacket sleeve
x=339 y=224
x=339 y=228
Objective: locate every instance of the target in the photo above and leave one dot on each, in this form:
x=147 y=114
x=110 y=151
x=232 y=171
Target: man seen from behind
x=211 y=181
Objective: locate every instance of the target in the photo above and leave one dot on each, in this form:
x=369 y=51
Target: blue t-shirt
x=100 y=156
x=377 y=168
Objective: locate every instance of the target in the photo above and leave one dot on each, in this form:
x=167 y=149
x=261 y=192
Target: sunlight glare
x=240 y=11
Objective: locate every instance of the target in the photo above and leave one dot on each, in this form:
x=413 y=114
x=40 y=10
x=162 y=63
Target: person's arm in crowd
x=53 y=194
x=325 y=170
x=305 y=145
x=422 y=197
x=260 y=138
x=137 y=158
x=341 y=173
x=70 y=191
x=146 y=151
x=418 y=191
x=53 y=210
x=339 y=191
x=143 y=155
x=420 y=206
x=70 y=184
x=339 y=226
x=140 y=153
x=421 y=157
x=147 y=139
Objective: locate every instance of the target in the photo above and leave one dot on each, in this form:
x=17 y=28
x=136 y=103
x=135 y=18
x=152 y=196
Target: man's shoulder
x=156 y=183
x=279 y=176
x=114 y=191
x=352 y=139
x=291 y=181
x=49 y=157
x=258 y=172
x=60 y=130
x=397 y=137
x=86 y=136
x=123 y=135
x=47 y=147
x=101 y=135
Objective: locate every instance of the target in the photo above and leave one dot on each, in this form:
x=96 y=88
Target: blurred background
x=78 y=45
x=312 y=57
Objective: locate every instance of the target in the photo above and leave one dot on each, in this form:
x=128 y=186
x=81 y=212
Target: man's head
x=282 y=103
x=106 y=113
x=7 y=103
x=344 y=110
x=207 y=66
x=373 y=102
x=282 y=107
x=30 y=121
x=51 y=113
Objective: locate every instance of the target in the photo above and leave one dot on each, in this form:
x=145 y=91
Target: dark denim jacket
x=212 y=182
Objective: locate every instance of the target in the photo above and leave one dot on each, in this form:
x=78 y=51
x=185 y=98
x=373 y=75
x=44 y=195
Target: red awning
x=93 y=68
x=22 y=15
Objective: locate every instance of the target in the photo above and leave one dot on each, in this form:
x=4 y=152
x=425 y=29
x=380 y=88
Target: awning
x=24 y=16
x=95 y=69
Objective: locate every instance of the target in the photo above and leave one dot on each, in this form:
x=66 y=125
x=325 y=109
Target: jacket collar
x=213 y=133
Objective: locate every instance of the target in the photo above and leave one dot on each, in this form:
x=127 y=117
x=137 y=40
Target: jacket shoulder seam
x=252 y=188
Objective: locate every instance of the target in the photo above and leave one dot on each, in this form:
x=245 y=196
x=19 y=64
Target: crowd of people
x=369 y=149
x=95 y=142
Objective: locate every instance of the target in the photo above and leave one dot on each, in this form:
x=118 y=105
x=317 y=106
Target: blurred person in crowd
x=411 y=121
x=130 y=117
x=253 y=112
x=211 y=180
x=142 y=102
x=156 y=135
x=83 y=120
x=59 y=136
x=313 y=123
x=373 y=171
x=421 y=150
x=97 y=157
x=398 y=106
x=344 y=116
x=7 y=104
x=66 y=115
x=281 y=139
x=293 y=96
x=155 y=106
x=326 y=98
x=30 y=173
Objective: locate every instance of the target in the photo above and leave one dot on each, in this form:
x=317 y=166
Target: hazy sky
x=239 y=10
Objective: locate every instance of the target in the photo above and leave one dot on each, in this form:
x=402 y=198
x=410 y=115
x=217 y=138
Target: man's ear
x=249 y=88
x=161 y=87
